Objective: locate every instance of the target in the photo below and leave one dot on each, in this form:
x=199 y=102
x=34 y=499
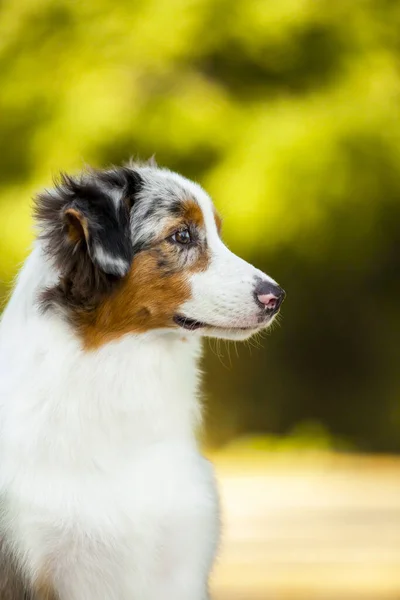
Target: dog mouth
x=193 y=325
x=189 y=324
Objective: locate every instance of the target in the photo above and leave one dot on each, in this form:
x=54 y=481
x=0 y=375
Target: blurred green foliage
x=305 y=437
x=288 y=113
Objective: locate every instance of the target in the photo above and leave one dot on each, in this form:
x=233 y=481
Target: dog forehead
x=167 y=194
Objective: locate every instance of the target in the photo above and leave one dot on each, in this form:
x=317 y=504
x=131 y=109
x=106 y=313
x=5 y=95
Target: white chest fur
x=104 y=488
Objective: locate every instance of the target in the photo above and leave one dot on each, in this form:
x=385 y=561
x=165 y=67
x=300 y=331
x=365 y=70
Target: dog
x=104 y=492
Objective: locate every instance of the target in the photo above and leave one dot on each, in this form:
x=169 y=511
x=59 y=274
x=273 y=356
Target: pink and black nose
x=269 y=295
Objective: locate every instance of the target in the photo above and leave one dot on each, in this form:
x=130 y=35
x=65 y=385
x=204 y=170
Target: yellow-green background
x=288 y=113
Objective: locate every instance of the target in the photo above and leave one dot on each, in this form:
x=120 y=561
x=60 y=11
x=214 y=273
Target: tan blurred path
x=322 y=527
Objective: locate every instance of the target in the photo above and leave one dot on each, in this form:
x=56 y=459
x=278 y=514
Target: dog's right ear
x=85 y=226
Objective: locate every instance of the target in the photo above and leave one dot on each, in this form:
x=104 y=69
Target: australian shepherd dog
x=104 y=493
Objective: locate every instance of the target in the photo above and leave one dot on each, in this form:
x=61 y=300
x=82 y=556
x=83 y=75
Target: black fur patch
x=128 y=180
x=90 y=265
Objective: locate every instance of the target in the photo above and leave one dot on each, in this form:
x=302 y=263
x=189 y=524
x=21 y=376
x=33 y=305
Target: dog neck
x=140 y=388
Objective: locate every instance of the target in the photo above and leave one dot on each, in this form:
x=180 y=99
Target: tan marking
x=145 y=300
x=77 y=225
x=193 y=213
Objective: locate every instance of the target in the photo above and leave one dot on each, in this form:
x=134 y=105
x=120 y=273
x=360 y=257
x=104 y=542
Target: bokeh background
x=288 y=113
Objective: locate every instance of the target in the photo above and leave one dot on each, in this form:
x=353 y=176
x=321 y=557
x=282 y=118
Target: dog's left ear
x=87 y=220
x=98 y=223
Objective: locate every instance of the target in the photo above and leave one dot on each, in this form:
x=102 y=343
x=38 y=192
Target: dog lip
x=192 y=325
x=186 y=323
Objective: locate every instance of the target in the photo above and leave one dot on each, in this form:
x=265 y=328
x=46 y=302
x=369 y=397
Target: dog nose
x=269 y=295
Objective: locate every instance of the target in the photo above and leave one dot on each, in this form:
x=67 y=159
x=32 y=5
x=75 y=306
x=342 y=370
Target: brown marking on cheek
x=147 y=299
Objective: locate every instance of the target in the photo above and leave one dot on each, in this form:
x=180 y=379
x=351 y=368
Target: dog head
x=139 y=248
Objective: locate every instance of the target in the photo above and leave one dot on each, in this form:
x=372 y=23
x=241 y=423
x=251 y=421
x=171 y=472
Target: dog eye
x=182 y=237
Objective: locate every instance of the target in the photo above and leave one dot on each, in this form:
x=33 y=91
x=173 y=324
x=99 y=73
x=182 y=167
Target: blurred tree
x=288 y=113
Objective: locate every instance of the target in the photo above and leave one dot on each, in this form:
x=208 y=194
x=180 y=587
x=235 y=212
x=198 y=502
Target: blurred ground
x=309 y=527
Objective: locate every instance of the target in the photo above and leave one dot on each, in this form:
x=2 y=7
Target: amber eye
x=182 y=237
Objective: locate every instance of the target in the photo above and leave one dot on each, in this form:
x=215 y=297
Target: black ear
x=87 y=220
x=98 y=220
